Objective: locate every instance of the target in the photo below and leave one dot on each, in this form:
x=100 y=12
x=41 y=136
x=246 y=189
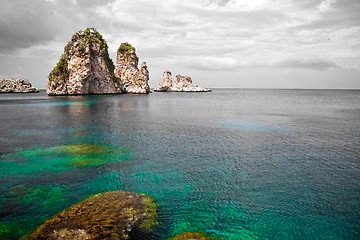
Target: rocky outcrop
x=180 y=84
x=166 y=83
x=84 y=68
x=16 y=85
x=131 y=78
x=110 y=215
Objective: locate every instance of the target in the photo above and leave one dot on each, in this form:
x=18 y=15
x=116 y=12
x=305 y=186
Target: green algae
x=61 y=158
x=36 y=202
x=43 y=197
x=109 y=215
x=193 y=236
x=5 y=230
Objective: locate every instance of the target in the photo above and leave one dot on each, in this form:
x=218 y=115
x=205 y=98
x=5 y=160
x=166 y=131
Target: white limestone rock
x=16 y=85
x=180 y=84
x=131 y=78
x=166 y=83
x=84 y=68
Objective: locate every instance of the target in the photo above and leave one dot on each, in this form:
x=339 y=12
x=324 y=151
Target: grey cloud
x=92 y=3
x=26 y=23
x=209 y=63
x=252 y=19
x=313 y=64
x=342 y=14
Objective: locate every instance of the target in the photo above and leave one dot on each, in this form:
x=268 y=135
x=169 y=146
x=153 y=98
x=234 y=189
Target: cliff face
x=131 y=78
x=180 y=84
x=19 y=85
x=84 y=68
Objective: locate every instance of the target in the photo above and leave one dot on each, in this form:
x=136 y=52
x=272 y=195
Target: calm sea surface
x=234 y=164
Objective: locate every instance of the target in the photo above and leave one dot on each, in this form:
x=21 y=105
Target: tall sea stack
x=84 y=68
x=131 y=78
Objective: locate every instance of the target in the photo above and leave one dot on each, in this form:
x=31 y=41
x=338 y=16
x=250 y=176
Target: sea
x=233 y=163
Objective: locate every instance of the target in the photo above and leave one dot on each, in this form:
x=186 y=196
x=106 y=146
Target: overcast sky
x=219 y=43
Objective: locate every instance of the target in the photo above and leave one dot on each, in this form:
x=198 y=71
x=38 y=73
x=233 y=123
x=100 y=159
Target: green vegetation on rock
x=126 y=50
x=60 y=72
x=126 y=47
x=109 y=215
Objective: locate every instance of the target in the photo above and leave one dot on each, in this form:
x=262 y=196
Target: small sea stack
x=133 y=79
x=110 y=215
x=84 y=68
x=181 y=84
x=16 y=85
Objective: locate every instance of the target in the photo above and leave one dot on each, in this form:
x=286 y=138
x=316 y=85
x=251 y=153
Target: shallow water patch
x=250 y=126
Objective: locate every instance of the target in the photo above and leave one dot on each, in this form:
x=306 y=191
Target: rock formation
x=84 y=68
x=131 y=78
x=166 y=83
x=18 y=85
x=180 y=84
x=110 y=215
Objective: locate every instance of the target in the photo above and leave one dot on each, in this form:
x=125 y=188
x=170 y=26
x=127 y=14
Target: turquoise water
x=234 y=164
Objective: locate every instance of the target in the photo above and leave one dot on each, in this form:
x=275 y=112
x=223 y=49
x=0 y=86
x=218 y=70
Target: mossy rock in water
x=109 y=215
x=193 y=236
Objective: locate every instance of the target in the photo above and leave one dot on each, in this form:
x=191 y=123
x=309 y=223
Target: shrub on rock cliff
x=126 y=47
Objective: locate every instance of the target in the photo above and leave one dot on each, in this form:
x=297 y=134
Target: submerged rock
x=109 y=215
x=16 y=85
x=133 y=79
x=192 y=236
x=180 y=84
x=84 y=68
x=63 y=158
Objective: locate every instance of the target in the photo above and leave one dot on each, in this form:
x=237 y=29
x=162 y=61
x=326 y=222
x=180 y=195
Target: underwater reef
x=109 y=215
x=192 y=236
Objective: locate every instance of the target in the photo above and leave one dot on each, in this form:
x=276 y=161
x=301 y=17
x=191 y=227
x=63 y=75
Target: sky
x=219 y=43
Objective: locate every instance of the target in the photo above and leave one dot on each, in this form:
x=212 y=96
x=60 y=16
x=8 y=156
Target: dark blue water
x=234 y=164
